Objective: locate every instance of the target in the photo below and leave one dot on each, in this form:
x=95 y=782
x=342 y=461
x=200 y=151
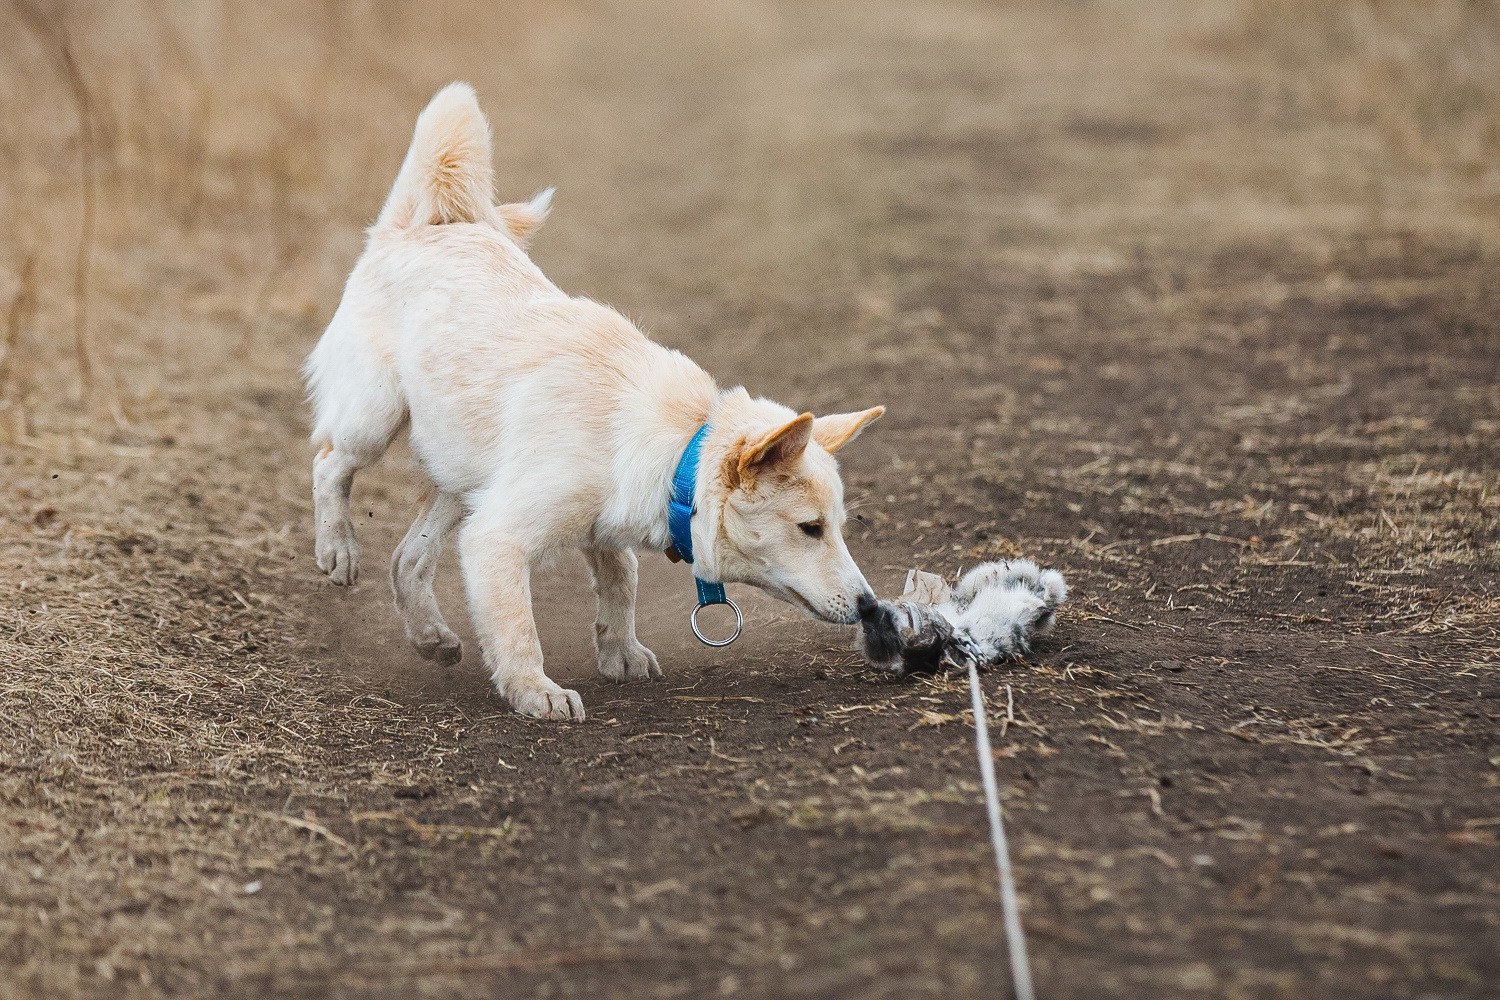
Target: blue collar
x=680 y=511
x=680 y=508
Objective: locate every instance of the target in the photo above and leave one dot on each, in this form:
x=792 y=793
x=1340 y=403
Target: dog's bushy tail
x=448 y=175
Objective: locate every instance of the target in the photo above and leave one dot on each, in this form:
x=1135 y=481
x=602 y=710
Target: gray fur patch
x=993 y=614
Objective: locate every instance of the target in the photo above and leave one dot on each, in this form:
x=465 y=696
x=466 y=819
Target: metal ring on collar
x=739 y=622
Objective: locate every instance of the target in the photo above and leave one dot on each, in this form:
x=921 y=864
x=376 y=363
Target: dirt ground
x=1198 y=303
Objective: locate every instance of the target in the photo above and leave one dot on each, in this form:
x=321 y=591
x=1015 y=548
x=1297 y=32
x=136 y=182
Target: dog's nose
x=867 y=606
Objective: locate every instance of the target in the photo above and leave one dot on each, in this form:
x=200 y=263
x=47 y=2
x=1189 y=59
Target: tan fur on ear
x=838 y=429
x=729 y=468
x=779 y=445
x=524 y=218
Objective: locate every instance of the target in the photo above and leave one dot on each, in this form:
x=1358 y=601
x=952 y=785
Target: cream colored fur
x=546 y=422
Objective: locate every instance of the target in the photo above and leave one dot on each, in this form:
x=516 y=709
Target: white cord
x=1015 y=938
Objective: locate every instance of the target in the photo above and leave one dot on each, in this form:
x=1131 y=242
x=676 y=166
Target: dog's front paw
x=628 y=662
x=546 y=700
x=436 y=642
x=338 y=554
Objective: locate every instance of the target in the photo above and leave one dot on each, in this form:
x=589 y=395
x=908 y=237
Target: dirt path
x=1178 y=304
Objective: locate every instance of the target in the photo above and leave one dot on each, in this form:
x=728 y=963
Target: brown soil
x=1200 y=305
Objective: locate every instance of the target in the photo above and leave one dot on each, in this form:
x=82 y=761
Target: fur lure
x=993 y=614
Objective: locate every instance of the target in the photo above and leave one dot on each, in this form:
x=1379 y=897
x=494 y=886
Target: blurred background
x=231 y=152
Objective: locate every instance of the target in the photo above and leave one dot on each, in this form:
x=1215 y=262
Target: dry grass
x=1422 y=77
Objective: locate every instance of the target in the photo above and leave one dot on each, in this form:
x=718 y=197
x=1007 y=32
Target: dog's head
x=777 y=504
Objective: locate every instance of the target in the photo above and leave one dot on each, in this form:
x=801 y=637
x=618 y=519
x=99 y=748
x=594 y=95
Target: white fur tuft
x=448 y=175
x=1002 y=606
x=1054 y=588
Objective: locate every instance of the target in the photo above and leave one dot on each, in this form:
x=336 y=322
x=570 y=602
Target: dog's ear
x=781 y=444
x=524 y=218
x=838 y=429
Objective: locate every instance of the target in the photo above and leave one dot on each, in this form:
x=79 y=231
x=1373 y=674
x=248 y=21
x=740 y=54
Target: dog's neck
x=733 y=415
x=707 y=499
x=637 y=515
x=647 y=444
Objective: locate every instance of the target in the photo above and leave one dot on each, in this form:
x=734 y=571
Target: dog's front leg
x=621 y=656
x=497 y=577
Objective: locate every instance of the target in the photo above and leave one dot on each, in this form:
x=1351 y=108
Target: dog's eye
x=812 y=529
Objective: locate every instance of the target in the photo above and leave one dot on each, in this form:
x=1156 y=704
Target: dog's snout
x=867 y=606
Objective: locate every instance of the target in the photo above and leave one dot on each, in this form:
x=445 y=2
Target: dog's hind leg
x=337 y=461
x=413 y=565
x=359 y=410
x=497 y=576
x=621 y=656
x=337 y=549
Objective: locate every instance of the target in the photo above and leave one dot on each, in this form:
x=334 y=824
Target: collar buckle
x=680 y=510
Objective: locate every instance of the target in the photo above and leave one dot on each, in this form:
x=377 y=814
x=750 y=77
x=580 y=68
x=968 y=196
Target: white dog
x=548 y=422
